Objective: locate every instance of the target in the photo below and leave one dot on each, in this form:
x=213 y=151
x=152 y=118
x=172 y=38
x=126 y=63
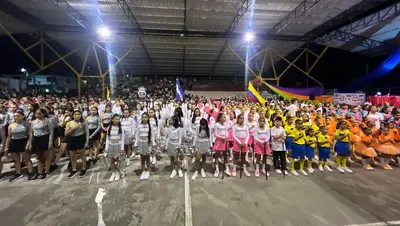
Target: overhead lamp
x=249 y=36
x=104 y=32
x=23 y=70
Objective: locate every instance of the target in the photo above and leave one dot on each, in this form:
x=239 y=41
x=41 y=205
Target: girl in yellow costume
x=324 y=148
x=342 y=147
x=311 y=144
x=298 y=148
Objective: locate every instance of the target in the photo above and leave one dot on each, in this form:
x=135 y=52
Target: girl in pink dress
x=230 y=123
x=241 y=136
x=261 y=137
x=221 y=144
x=251 y=124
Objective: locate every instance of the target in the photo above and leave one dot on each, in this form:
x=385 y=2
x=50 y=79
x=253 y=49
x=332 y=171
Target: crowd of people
x=239 y=135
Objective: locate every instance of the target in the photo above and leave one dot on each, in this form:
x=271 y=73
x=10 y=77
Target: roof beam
x=187 y=33
x=72 y=13
x=185 y=18
x=299 y=11
x=344 y=33
x=18 y=13
x=236 y=20
x=355 y=13
x=125 y=8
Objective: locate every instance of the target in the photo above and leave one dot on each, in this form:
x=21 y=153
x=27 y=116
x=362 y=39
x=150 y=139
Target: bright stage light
x=23 y=70
x=249 y=36
x=104 y=32
x=378 y=93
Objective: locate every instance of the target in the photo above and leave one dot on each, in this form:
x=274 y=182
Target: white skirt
x=114 y=150
x=171 y=148
x=203 y=146
x=144 y=147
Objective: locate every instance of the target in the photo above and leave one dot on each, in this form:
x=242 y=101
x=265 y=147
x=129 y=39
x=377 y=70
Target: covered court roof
x=196 y=37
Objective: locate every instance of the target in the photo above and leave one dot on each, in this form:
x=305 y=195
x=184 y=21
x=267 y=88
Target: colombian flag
x=253 y=95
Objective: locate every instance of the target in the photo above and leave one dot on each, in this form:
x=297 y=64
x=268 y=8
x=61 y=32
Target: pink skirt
x=230 y=135
x=220 y=145
x=238 y=148
x=251 y=137
x=259 y=148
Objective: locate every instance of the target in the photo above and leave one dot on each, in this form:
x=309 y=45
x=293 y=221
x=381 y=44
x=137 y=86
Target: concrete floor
x=319 y=199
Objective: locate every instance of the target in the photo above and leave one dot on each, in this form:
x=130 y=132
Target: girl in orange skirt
x=365 y=147
x=394 y=133
x=386 y=146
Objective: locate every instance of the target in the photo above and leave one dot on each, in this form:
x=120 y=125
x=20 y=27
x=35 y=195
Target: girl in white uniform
x=144 y=141
x=174 y=141
x=129 y=128
x=194 y=126
x=115 y=148
x=202 y=143
x=261 y=137
x=154 y=123
x=241 y=136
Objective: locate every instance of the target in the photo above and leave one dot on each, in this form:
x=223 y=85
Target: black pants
x=279 y=159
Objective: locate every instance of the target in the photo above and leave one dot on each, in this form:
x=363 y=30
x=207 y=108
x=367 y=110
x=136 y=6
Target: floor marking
x=99 y=199
x=98 y=175
x=188 y=203
x=91 y=175
x=61 y=175
x=388 y=223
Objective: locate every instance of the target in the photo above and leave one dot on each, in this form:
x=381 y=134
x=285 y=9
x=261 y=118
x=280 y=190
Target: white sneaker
x=327 y=168
x=147 y=175
x=257 y=173
x=321 y=168
x=267 y=174
x=340 y=169
x=287 y=161
x=127 y=162
x=227 y=172
x=347 y=170
x=310 y=170
x=180 y=173
x=117 y=176
x=154 y=160
x=246 y=172
x=294 y=173
x=216 y=173
x=350 y=160
x=278 y=171
x=112 y=178
x=203 y=174
x=195 y=175
x=303 y=172
x=285 y=172
x=316 y=157
x=143 y=175
x=173 y=174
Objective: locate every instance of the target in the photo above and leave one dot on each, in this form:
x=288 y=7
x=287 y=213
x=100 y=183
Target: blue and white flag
x=179 y=91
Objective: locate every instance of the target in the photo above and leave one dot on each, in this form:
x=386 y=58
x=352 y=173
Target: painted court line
x=388 y=223
x=99 y=200
x=188 y=203
x=61 y=175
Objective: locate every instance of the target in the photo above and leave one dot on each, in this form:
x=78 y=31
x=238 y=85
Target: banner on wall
x=349 y=98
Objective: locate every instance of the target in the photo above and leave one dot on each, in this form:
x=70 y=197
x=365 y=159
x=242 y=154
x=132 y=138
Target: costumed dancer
x=261 y=137
x=194 y=127
x=298 y=148
x=251 y=124
x=40 y=142
x=324 y=149
x=278 y=140
x=78 y=140
x=241 y=136
x=105 y=120
x=386 y=147
x=202 y=143
x=94 y=126
x=16 y=143
x=342 y=147
x=155 y=126
x=365 y=147
x=289 y=127
x=311 y=144
x=230 y=123
x=144 y=142
x=174 y=142
x=220 y=145
x=129 y=127
x=115 y=148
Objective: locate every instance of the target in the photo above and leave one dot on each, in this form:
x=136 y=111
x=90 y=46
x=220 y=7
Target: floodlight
x=378 y=93
x=249 y=36
x=104 y=32
x=23 y=70
x=47 y=90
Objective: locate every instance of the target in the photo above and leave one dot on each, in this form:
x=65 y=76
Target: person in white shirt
x=278 y=136
x=202 y=144
x=129 y=128
x=292 y=108
x=221 y=144
x=144 y=141
x=241 y=136
x=174 y=141
x=115 y=148
x=261 y=137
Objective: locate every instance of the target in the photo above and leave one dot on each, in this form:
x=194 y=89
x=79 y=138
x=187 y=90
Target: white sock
x=364 y=162
x=257 y=167
x=216 y=167
x=227 y=166
x=244 y=167
x=263 y=166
